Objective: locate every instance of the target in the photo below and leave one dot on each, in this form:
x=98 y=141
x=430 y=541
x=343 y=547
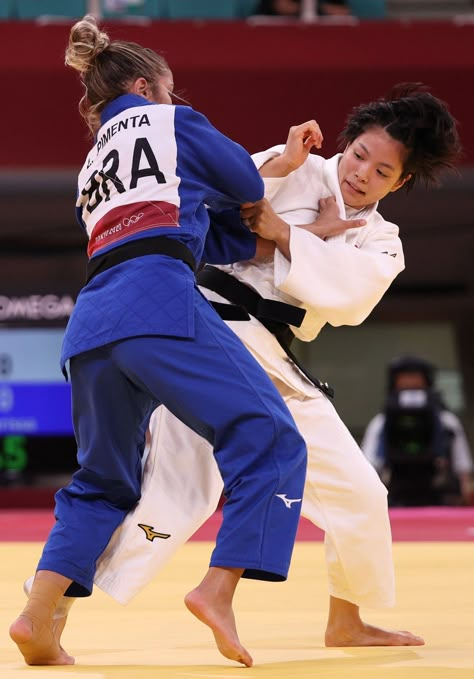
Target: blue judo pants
x=213 y=384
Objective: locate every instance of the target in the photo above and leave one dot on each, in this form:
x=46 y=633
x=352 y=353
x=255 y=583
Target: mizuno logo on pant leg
x=288 y=502
x=151 y=533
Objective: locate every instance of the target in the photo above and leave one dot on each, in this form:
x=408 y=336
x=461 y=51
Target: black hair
x=410 y=364
x=418 y=120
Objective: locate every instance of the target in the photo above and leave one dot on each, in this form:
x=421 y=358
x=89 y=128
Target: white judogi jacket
x=338 y=280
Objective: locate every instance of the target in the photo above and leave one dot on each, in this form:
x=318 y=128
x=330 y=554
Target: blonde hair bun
x=86 y=42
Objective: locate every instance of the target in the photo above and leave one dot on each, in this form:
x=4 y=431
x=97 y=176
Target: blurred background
x=253 y=72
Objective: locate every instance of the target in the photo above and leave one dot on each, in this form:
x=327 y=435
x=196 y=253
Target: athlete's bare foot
x=33 y=630
x=37 y=643
x=211 y=603
x=368 y=635
x=60 y=614
x=345 y=628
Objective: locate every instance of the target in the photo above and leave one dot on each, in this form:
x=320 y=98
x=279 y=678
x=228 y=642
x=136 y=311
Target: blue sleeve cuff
x=228 y=240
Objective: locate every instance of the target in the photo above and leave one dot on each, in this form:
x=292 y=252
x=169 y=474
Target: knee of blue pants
x=120 y=493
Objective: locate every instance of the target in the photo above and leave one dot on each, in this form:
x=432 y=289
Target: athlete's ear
x=140 y=86
x=401 y=182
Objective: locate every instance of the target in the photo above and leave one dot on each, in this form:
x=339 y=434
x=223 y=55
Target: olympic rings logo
x=126 y=221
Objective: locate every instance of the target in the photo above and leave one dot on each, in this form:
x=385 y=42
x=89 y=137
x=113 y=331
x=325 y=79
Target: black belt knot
x=242 y=295
x=275 y=316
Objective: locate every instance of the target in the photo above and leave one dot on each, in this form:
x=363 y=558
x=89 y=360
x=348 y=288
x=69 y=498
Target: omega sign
x=35 y=308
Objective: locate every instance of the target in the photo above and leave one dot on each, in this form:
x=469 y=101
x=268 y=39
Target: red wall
x=252 y=82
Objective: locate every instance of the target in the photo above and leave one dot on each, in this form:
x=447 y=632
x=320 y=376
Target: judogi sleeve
x=341 y=282
x=222 y=166
x=272 y=184
x=228 y=240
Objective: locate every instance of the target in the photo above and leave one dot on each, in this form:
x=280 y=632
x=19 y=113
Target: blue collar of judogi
x=120 y=104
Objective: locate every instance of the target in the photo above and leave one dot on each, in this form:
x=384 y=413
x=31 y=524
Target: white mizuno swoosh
x=288 y=501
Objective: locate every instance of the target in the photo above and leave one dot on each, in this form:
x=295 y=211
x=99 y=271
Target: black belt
x=240 y=294
x=154 y=245
x=275 y=316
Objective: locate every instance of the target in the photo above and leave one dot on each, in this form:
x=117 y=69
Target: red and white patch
x=126 y=220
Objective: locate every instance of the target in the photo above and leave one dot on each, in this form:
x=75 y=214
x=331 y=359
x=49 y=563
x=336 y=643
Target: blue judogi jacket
x=155 y=170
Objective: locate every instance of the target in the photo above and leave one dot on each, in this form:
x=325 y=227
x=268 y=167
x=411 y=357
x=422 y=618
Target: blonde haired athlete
x=337 y=271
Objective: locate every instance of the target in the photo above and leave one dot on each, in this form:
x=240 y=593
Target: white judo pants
x=182 y=487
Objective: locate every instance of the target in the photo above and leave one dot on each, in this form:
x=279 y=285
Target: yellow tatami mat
x=281 y=624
